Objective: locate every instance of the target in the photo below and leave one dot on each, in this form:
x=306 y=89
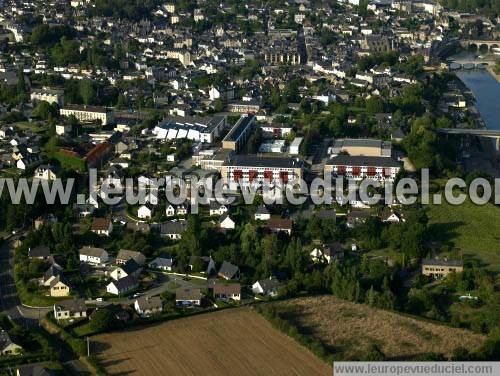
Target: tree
x=374 y=105
x=87 y=92
x=191 y=241
x=102 y=319
x=21 y=82
x=45 y=111
x=121 y=103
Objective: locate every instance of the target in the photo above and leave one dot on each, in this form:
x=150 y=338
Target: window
x=268 y=175
x=341 y=170
x=356 y=170
x=238 y=175
x=252 y=174
x=371 y=171
x=284 y=176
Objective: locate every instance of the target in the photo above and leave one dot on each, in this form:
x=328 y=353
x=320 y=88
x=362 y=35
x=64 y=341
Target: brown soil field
x=230 y=342
x=347 y=329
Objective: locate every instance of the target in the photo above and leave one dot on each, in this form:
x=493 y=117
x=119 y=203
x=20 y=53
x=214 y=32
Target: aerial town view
x=258 y=187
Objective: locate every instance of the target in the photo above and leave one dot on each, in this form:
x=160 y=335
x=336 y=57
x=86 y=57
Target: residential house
x=147 y=306
x=205 y=264
x=262 y=213
x=229 y=271
x=145 y=211
x=170 y=210
x=46 y=172
x=173 y=230
x=328 y=253
x=441 y=267
x=217 y=208
x=122 y=286
x=40 y=252
x=163 y=262
x=51 y=273
x=28 y=162
x=356 y=217
x=181 y=209
x=91 y=255
x=102 y=226
x=268 y=286
x=188 y=297
x=226 y=223
x=130 y=268
x=7 y=346
x=124 y=255
x=276 y=224
x=70 y=309
x=392 y=217
x=226 y=291
x=33 y=370
x=58 y=287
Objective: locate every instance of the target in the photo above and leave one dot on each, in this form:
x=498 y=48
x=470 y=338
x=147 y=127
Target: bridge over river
x=488 y=133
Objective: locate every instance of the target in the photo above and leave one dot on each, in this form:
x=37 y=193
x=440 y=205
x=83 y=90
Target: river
x=487 y=92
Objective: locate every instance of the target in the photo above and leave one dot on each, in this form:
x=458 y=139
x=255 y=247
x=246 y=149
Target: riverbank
x=495 y=75
x=486 y=90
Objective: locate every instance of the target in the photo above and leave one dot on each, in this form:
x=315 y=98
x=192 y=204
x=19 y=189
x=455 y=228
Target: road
x=10 y=303
x=9 y=300
x=160 y=286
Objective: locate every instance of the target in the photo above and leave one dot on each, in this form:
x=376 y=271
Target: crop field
x=230 y=342
x=347 y=329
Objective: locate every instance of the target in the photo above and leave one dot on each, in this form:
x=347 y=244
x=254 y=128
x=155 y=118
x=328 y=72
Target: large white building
x=359 y=167
x=204 y=129
x=88 y=113
x=248 y=169
x=359 y=159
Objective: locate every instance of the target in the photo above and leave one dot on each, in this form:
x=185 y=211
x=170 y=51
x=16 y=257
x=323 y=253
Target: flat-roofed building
x=360 y=167
x=244 y=106
x=204 y=129
x=361 y=146
x=362 y=158
x=211 y=159
x=243 y=170
x=239 y=133
x=88 y=113
x=441 y=267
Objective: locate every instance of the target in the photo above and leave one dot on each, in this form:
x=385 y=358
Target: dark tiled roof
x=442 y=262
x=256 y=161
x=228 y=270
x=40 y=251
x=227 y=288
x=72 y=305
x=362 y=161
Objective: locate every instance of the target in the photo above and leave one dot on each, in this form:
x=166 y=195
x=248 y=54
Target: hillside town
x=254 y=95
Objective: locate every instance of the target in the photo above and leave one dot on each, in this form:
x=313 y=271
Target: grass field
x=472 y=228
x=347 y=329
x=229 y=342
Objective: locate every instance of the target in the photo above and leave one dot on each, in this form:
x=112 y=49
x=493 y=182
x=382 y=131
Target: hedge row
x=313 y=344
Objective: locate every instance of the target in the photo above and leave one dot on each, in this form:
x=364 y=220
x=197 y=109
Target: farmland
x=236 y=341
x=348 y=329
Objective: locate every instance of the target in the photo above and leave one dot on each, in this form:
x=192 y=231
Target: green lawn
x=474 y=229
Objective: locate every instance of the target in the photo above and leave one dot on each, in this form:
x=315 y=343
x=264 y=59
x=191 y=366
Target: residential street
x=9 y=301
